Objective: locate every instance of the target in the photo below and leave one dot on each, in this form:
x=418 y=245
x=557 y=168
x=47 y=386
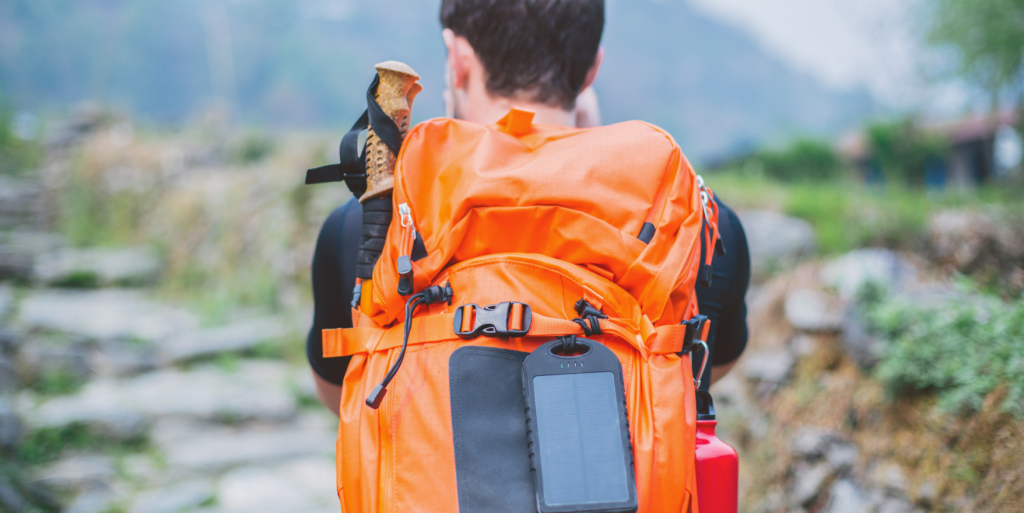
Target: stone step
x=97 y=267
x=104 y=314
x=123 y=407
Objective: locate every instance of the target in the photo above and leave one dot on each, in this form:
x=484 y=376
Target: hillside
x=302 y=64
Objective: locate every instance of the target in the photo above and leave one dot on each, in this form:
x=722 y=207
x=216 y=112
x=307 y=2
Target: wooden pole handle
x=397 y=89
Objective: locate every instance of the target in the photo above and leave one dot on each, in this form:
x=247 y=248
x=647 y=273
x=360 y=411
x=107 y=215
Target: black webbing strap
x=351 y=166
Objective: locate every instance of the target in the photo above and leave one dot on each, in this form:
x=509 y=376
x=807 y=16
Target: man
x=538 y=55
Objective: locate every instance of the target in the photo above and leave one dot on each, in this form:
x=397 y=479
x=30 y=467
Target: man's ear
x=459 y=52
x=592 y=72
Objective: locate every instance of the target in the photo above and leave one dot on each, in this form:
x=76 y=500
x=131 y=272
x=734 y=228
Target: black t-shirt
x=334 y=278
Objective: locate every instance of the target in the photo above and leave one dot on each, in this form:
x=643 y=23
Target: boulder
x=808 y=481
x=770 y=366
x=104 y=314
x=174 y=498
x=255 y=390
x=812 y=442
x=846 y=497
x=6 y=301
x=848 y=273
x=841 y=455
x=94 y=501
x=302 y=485
x=20 y=249
x=78 y=472
x=22 y=204
x=812 y=311
x=775 y=240
x=97 y=267
x=859 y=343
x=965 y=238
x=10 y=424
x=215 y=450
x=238 y=336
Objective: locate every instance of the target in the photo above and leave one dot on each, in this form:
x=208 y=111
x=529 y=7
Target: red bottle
x=717 y=463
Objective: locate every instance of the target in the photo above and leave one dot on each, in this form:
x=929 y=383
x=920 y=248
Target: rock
x=927 y=491
x=808 y=482
x=239 y=336
x=97 y=267
x=75 y=127
x=853 y=270
x=104 y=314
x=771 y=366
x=802 y=345
x=216 y=449
x=22 y=204
x=78 y=472
x=893 y=505
x=121 y=358
x=859 y=343
x=19 y=251
x=812 y=442
x=890 y=476
x=10 y=425
x=93 y=501
x=841 y=455
x=964 y=238
x=10 y=497
x=8 y=375
x=775 y=240
x=302 y=485
x=6 y=300
x=256 y=389
x=175 y=498
x=847 y=498
x=813 y=311
x=45 y=355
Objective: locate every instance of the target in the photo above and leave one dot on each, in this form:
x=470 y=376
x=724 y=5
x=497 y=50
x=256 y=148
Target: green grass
x=846 y=214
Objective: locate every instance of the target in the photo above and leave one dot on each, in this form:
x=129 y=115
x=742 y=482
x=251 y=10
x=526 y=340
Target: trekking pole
x=396 y=88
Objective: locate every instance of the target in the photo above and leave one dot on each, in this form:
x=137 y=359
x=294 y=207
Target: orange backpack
x=532 y=226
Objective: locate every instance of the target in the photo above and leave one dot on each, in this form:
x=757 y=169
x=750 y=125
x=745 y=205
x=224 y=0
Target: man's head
x=538 y=53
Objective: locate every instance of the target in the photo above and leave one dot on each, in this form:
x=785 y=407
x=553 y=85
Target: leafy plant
x=961 y=349
x=16 y=155
x=804 y=160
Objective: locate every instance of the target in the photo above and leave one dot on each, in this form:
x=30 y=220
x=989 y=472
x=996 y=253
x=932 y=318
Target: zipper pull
x=404 y=262
x=707 y=232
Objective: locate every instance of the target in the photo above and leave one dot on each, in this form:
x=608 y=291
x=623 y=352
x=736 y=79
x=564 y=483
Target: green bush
x=962 y=349
x=16 y=155
x=903 y=149
x=804 y=160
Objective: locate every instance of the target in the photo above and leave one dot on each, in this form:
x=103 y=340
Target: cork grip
x=395 y=94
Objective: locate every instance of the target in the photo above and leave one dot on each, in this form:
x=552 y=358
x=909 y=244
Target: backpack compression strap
x=647 y=338
x=351 y=167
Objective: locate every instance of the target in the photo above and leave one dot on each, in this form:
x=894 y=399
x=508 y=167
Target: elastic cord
x=410 y=307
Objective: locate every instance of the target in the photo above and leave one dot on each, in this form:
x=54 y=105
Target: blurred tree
x=903 y=149
x=987 y=37
x=804 y=160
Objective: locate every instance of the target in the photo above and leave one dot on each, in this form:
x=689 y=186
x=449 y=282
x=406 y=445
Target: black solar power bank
x=580 y=451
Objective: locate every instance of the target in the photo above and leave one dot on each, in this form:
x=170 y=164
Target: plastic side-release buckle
x=492 y=320
x=696 y=331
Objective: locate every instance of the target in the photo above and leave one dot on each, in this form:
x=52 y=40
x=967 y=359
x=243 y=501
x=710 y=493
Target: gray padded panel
x=492 y=463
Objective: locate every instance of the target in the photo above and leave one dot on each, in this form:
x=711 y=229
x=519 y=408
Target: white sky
x=845 y=43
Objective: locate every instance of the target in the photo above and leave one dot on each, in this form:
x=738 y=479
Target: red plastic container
x=718 y=468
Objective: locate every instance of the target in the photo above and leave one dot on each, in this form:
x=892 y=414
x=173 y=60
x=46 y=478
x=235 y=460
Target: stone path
x=179 y=416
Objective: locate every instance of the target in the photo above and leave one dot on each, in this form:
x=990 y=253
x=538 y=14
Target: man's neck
x=488 y=110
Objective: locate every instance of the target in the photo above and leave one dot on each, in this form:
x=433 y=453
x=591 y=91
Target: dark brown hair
x=540 y=49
